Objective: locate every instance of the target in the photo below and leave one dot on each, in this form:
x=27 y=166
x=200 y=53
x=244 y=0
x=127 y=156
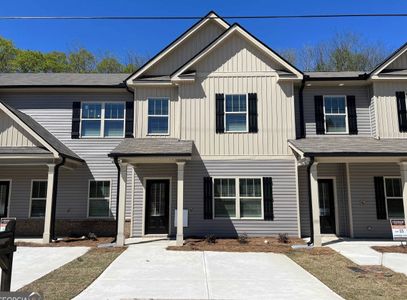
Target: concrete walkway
x=148 y=271
x=361 y=253
x=31 y=263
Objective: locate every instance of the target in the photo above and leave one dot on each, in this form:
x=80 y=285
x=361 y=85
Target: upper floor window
x=102 y=119
x=335 y=114
x=394 y=197
x=236 y=113
x=158 y=117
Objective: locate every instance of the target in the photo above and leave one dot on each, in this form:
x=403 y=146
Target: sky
x=147 y=37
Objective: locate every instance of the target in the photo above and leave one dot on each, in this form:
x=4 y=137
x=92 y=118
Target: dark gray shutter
x=268 y=198
x=207 y=197
x=380 y=198
x=76 y=119
x=253 y=112
x=401 y=111
x=129 y=119
x=319 y=114
x=352 y=118
x=220 y=113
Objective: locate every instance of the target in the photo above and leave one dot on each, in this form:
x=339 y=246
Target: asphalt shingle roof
x=23 y=150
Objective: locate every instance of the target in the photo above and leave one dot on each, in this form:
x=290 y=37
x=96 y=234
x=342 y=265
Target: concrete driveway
x=31 y=263
x=148 y=271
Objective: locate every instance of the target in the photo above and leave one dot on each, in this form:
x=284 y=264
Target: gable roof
x=236 y=27
x=210 y=16
x=49 y=141
x=391 y=58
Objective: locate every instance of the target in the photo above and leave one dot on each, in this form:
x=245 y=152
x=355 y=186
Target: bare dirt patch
x=253 y=244
x=70 y=242
x=390 y=249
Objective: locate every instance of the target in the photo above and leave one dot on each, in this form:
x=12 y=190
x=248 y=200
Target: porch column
x=315 y=204
x=46 y=236
x=121 y=210
x=180 y=203
x=403 y=172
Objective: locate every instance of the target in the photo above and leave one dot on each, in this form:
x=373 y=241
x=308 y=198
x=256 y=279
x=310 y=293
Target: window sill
x=157 y=134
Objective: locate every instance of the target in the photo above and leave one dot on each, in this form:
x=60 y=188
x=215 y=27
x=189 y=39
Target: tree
x=133 y=62
x=109 y=64
x=7 y=54
x=56 y=62
x=28 y=61
x=81 y=61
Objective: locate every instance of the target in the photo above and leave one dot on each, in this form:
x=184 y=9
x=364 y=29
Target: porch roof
x=149 y=147
x=334 y=146
x=23 y=150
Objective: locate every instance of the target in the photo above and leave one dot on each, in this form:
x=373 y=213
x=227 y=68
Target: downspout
x=116 y=162
x=311 y=162
x=301 y=104
x=54 y=198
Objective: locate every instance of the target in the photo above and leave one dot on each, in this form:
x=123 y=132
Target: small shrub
x=92 y=236
x=243 y=238
x=210 y=239
x=283 y=238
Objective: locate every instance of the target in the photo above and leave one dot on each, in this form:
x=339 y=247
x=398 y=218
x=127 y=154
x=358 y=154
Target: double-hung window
x=238 y=198
x=158 y=117
x=99 y=198
x=236 y=113
x=102 y=119
x=335 y=114
x=38 y=198
x=394 y=197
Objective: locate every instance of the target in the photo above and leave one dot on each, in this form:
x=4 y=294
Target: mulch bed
x=253 y=244
x=70 y=242
x=390 y=249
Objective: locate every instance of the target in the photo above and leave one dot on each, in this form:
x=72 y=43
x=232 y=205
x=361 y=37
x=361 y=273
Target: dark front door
x=157 y=206
x=4 y=194
x=326 y=205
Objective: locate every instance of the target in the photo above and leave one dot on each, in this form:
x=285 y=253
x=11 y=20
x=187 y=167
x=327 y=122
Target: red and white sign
x=399 y=229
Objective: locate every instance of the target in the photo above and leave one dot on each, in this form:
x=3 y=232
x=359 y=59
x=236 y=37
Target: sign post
x=7 y=249
x=399 y=229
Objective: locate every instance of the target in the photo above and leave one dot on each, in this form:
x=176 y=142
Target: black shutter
x=76 y=119
x=380 y=198
x=319 y=115
x=253 y=112
x=268 y=198
x=401 y=111
x=220 y=113
x=352 y=118
x=129 y=119
x=207 y=197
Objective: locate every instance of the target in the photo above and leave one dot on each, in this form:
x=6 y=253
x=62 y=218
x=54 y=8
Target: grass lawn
x=69 y=280
x=350 y=280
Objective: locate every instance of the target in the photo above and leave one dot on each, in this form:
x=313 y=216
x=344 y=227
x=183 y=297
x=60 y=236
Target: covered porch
x=158 y=165
x=350 y=186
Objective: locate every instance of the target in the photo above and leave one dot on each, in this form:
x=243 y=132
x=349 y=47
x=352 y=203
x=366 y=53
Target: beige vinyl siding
x=187 y=49
x=372 y=111
x=141 y=95
x=362 y=106
x=399 y=63
x=13 y=135
x=386 y=107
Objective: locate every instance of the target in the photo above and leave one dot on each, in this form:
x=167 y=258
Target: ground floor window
x=38 y=198
x=394 y=197
x=99 y=198
x=238 y=198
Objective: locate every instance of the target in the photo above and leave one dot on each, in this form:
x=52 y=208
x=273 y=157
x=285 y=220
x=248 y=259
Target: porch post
x=180 y=203
x=403 y=172
x=121 y=210
x=46 y=236
x=315 y=204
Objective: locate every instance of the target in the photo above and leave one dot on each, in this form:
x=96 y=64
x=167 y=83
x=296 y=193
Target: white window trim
x=338 y=114
x=385 y=192
x=110 y=198
x=162 y=116
x=102 y=120
x=36 y=199
x=235 y=112
x=237 y=193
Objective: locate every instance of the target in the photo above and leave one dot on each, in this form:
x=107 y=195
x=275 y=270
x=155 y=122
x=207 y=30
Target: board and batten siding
x=187 y=49
x=13 y=135
x=362 y=106
x=284 y=195
x=386 y=108
x=53 y=110
x=399 y=64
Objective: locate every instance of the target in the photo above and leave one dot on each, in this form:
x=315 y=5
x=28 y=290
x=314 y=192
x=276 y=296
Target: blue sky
x=148 y=37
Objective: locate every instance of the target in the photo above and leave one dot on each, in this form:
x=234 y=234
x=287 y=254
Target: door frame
x=335 y=191
x=145 y=179
x=10 y=182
